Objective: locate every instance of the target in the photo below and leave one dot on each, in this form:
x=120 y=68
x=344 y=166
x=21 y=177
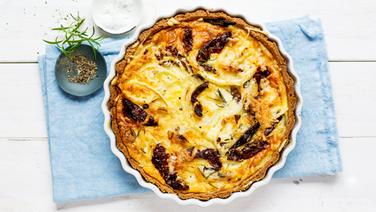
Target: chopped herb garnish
x=221 y=96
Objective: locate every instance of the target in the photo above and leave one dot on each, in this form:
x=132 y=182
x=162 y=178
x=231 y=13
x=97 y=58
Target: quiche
x=202 y=104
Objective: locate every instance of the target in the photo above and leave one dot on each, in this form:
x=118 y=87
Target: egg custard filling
x=202 y=104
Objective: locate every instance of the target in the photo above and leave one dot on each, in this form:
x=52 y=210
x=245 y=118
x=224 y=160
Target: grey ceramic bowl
x=77 y=89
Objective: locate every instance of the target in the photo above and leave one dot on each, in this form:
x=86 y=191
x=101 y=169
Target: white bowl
x=108 y=16
x=154 y=188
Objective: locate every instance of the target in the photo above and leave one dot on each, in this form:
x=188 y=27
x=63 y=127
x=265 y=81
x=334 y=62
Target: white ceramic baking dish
x=154 y=188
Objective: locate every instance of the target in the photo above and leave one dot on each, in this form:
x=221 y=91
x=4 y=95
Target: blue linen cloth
x=84 y=168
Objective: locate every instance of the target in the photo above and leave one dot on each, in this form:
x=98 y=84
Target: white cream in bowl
x=116 y=16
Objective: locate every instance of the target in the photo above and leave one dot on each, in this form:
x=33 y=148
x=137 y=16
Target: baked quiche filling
x=202 y=105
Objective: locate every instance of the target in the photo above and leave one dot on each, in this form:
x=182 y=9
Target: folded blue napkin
x=84 y=168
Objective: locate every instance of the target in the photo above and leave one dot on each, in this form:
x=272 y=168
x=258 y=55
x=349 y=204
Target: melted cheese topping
x=166 y=86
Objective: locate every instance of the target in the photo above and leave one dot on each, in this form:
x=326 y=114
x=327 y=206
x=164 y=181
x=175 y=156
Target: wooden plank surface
x=23 y=108
x=349 y=24
x=25 y=181
x=354 y=92
x=22 y=113
x=25 y=186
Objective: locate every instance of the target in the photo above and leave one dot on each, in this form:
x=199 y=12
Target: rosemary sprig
x=73 y=35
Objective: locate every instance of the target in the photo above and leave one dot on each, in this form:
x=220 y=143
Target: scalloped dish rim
x=125 y=165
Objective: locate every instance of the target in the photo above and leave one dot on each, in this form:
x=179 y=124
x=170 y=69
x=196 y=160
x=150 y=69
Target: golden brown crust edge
x=265 y=40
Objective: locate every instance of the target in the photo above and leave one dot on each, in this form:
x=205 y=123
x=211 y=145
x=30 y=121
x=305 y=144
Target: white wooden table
x=350 y=27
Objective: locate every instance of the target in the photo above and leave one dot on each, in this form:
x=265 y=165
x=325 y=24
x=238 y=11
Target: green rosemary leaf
x=75 y=18
x=60 y=28
x=51 y=42
x=72 y=36
x=93 y=32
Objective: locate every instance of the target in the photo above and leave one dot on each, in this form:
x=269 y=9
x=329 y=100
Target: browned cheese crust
x=126 y=125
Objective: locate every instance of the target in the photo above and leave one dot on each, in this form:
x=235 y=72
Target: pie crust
x=276 y=132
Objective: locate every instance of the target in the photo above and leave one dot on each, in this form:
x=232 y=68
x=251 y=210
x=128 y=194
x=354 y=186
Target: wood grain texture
x=22 y=113
x=349 y=25
x=25 y=186
x=25 y=181
x=354 y=91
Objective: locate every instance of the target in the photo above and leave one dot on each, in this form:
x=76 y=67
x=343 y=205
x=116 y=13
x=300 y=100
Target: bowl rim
x=100 y=59
x=123 y=30
x=125 y=165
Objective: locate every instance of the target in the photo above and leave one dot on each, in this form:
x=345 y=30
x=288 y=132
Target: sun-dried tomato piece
x=212 y=156
x=214 y=46
x=249 y=150
x=173 y=181
x=133 y=111
x=208 y=68
x=236 y=93
x=261 y=74
x=172 y=50
x=271 y=128
x=137 y=114
x=187 y=39
x=237 y=117
x=198 y=76
x=197 y=107
x=151 y=122
x=160 y=161
x=198 y=91
x=219 y=21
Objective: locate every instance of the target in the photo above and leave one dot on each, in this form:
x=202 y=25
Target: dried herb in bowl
x=81 y=69
x=84 y=70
